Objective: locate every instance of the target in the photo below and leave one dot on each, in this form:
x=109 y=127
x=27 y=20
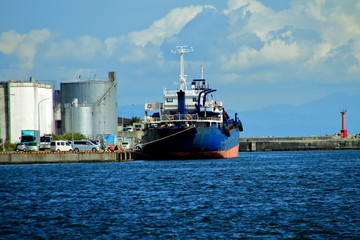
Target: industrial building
x=81 y=106
x=25 y=105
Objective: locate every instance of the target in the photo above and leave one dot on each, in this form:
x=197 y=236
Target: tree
x=68 y=136
x=135 y=119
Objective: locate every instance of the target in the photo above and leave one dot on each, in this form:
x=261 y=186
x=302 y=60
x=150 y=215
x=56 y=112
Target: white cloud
x=83 y=48
x=355 y=68
x=320 y=51
x=9 y=41
x=167 y=26
x=111 y=44
x=129 y=48
x=247 y=6
x=252 y=16
x=336 y=22
x=133 y=54
x=310 y=35
x=23 y=45
x=272 y=52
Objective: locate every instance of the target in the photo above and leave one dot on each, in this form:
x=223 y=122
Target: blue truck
x=30 y=136
x=31 y=140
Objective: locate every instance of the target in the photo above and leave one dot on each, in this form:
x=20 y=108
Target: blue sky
x=256 y=53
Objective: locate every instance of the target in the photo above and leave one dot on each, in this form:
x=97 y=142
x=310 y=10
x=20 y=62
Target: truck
x=108 y=140
x=45 y=142
x=30 y=136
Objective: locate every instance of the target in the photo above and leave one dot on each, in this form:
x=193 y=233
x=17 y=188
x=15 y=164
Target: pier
x=64 y=157
x=258 y=144
x=261 y=144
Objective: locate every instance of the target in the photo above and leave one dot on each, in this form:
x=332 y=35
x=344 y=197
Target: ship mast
x=201 y=72
x=181 y=50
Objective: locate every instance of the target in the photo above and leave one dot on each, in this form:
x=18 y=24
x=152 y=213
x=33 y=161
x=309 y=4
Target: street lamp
x=74 y=103
x=122 y=119
x=39 y=111
x=72 y=121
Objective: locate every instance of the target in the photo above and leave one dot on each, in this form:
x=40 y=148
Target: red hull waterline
x=231 y=153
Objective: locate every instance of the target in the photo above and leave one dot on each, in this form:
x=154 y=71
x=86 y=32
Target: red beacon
x=343 y=131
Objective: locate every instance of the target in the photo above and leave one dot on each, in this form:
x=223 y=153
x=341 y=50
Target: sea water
x=268 y=195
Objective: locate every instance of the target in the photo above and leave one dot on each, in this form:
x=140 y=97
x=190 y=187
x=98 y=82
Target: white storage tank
x=25 y=105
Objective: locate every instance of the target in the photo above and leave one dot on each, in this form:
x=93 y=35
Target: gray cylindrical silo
x=96 y=100
x=78 y=119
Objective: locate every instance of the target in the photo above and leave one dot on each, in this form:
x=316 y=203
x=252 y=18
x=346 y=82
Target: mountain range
x=319 y=117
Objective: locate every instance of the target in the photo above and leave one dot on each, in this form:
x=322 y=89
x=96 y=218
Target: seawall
x=298 y=144
x=64 y=157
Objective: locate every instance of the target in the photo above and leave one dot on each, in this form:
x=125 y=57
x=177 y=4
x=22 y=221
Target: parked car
x=125 y=145
x=21 y=147
x=32 y=147
x=84 y=145
x=60 y=146
x=96 y=142
x=128 y=129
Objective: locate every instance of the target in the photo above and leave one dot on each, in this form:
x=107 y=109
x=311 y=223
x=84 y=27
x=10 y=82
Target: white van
x=125 y=145
x=60 y=146
x=128 y=129
x=84 y=145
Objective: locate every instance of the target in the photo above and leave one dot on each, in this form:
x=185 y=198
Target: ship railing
x=84 y=79
x=175 y=106
x=187 y=92
x=210 y=119
x=181 y=117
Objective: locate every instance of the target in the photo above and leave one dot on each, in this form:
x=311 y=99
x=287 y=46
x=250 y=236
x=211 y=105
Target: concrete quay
x=261 y=144
x=64 y=157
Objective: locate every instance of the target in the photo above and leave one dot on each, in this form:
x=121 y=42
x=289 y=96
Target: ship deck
x=181 y=118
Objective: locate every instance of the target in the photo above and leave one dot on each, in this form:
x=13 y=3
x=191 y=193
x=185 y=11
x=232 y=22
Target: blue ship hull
x=189 y=143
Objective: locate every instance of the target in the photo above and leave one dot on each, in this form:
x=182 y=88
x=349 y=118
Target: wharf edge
x=64 y=157
x=262 y=144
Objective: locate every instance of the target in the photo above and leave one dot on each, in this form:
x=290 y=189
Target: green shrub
x=68 y=136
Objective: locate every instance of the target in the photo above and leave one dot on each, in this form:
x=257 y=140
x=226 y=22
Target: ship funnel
x=181 y=102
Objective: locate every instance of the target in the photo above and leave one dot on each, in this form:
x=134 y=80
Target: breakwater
x=260 y=144
x=64 y=157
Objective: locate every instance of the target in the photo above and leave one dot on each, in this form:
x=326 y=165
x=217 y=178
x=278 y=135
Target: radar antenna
x=181 y=50
x=201 y=72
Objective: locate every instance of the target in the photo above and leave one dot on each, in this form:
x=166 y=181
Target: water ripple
x=284 y=195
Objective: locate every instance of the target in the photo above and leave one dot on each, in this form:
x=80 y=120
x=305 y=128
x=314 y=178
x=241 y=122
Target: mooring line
x=166 y=136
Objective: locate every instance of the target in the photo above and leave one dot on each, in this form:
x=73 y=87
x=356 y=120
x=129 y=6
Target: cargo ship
x=189 y=123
